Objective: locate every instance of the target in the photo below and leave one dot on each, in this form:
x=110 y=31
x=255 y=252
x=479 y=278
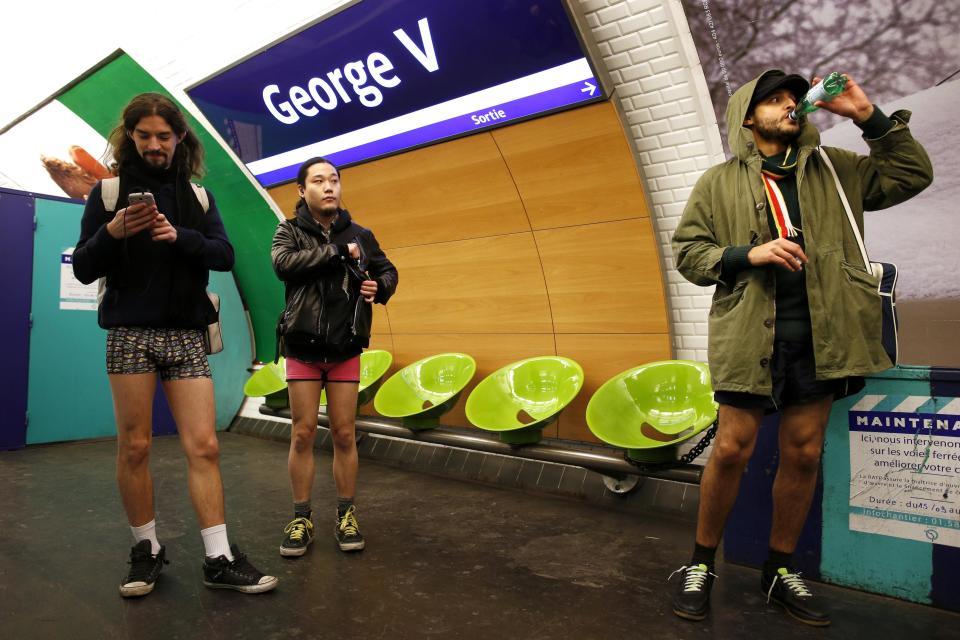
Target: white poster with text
x=905 y=468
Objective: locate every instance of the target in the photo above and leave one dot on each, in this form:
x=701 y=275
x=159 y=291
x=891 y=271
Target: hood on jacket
x=740 y=138
x=307 y=222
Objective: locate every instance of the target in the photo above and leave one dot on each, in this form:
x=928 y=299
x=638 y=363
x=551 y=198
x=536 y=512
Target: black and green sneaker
x=788 y=590
x=144 y=570
x=348 y=531
x=691 y=593
x=297 y=537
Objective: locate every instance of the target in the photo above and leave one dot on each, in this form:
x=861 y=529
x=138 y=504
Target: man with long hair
x=154 y=256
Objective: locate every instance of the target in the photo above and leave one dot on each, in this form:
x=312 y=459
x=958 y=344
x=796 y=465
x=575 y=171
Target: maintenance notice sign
x=905 y=468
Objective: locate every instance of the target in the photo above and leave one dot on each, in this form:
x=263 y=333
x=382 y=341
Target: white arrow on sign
x=588 y=88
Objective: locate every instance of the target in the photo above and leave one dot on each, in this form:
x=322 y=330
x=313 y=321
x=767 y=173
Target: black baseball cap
x=775 y=79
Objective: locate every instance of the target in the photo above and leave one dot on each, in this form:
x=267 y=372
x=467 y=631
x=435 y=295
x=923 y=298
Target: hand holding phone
x=139 y=214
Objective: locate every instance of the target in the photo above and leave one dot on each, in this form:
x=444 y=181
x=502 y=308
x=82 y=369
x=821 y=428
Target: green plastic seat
x=520 y=399
x=373 y=365
x=424 y=390
x=650 y=409
x=270 y=382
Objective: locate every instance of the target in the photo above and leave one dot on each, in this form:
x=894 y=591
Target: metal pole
x=607 y=464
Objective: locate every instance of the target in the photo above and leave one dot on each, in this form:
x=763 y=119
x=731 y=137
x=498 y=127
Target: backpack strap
x=110 y=193
x=201 y=194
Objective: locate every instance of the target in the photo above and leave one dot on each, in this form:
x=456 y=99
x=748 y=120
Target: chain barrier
x=685 y=459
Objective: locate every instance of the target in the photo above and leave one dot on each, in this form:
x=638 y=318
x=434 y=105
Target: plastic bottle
x=825 y=90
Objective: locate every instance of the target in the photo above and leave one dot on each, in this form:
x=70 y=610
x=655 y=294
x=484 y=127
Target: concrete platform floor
x=444 y=559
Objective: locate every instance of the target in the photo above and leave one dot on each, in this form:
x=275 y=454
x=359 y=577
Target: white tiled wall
x=647 y=48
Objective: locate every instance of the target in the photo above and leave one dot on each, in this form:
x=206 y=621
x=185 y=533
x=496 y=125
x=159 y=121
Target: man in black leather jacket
x=334 y=270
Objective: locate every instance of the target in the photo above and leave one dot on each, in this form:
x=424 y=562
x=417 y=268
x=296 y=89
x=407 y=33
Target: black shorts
x=794 y=373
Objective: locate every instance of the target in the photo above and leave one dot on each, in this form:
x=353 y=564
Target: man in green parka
x=795 y=320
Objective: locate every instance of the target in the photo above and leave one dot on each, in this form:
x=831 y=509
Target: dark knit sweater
x=141 y=273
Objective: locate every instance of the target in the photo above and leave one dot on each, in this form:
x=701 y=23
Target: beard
x=155 y=160
x=783 y=130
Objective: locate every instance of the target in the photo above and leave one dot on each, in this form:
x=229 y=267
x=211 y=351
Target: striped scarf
x=773 y=171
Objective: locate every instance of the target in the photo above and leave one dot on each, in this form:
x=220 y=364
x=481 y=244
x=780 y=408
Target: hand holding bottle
x=852 y=103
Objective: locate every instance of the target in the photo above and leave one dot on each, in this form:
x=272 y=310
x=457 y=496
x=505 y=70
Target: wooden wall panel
x=529 y=240
x=453 y=191
x=604 y=278
x=602 y=357
x=285 y=196
x=573 y=168
x=381 y=320
x=490 y=350
x=484 y=285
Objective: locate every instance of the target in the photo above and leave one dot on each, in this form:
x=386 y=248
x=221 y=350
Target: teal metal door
x=68 y=397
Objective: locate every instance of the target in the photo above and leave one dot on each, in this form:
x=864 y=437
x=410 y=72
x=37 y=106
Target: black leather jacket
x=325 y=318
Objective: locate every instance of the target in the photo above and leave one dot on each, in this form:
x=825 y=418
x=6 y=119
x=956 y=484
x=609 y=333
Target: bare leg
x=802 y=429
x=304 y=404
x=192 y=403
x=133 y=409
x=736 y=437
x=342 y=409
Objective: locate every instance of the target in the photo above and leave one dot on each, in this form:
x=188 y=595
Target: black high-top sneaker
x=348 y=531
x=144 y=570
x=239 y=575
x=297 y=537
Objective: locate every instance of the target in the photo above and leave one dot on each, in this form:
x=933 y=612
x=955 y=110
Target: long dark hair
x=188 y=157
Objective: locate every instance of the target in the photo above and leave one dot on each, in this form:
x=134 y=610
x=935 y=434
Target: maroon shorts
x=345 y=371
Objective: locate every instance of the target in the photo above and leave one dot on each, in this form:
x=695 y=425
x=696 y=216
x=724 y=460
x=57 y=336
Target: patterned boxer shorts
x=175 y=353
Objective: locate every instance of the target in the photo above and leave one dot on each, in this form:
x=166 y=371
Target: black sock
x=776 y=560
x=302 y=510
x=704 y=555
x=342 y=505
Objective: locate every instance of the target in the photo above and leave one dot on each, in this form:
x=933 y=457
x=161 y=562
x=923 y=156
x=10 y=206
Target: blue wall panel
x=945 y=581
x=16 y=264
x=746 y=538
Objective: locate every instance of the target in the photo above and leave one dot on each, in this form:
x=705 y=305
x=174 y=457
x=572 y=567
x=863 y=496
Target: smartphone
x=141 y=196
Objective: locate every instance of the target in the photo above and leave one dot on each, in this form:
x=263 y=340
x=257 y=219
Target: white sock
x=215 y=543
x=147 y=532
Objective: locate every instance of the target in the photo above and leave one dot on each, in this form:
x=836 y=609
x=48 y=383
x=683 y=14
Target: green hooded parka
x=727 y=207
